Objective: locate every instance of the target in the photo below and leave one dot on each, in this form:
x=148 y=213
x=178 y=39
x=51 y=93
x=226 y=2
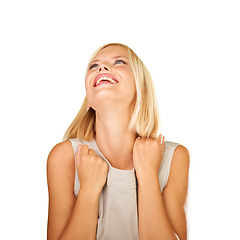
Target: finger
x=83 y=150
x=163 y=142
x=78 y=154
x=137 y=140
x=91 y=152
x=160 y=138
x=79 y=148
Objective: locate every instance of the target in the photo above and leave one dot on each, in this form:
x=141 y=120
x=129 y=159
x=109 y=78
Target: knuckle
x=85 y=145
x=138 y=139
x=84 y=158
x=105 y=166
x=98 y=161
x=91 y=151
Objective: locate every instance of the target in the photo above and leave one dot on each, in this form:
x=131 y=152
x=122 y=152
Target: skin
x=164 y=218
x=113 y=106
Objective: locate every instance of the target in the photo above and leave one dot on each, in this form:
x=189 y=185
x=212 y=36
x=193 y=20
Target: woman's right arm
x=71 y=218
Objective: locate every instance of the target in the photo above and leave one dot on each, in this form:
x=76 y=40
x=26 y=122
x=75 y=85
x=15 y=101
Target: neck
x=113 y=137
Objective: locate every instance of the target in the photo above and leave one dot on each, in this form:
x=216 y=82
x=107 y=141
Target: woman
x=114 y=177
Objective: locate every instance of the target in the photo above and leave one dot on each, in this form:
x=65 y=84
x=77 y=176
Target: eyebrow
x=119 y=57
x=97 y=60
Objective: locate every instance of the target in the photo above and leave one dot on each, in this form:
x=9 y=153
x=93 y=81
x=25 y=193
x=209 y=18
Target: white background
x=192 y=51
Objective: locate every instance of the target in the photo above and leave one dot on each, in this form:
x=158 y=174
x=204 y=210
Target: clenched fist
x=92 y=170
x=147 y=155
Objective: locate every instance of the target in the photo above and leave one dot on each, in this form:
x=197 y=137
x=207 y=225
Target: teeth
x=105 y=78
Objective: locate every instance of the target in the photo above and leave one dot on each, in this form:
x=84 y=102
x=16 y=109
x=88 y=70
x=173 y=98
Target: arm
x=175 y=193
x=160 y=216
x=71 y=218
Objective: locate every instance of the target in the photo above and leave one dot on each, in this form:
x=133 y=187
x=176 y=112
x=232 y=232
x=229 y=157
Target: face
x=110 y=79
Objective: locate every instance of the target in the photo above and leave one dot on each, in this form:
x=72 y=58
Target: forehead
x=112 y=51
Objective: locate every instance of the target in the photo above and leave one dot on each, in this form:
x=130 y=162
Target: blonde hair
x=145 y=116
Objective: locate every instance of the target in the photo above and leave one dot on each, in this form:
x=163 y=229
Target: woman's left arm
x=161 y=216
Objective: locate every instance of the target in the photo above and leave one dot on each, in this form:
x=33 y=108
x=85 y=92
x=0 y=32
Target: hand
x=92 y=170
x=147 y=155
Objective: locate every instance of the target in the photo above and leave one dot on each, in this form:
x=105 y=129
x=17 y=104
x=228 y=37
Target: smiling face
x=110 y=79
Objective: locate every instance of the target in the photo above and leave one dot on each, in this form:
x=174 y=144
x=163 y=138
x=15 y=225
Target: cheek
x=132 y=86
x=129 y=76
x=130 y=89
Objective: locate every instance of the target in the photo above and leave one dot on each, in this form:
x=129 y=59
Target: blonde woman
x=114 y=176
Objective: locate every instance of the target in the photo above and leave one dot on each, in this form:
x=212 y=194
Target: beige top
x=118 y=216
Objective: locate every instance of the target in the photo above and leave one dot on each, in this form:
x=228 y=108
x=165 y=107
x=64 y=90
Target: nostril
x=103 y=68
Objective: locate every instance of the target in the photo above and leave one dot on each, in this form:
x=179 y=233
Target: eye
x=94 y=65
x=119 y=61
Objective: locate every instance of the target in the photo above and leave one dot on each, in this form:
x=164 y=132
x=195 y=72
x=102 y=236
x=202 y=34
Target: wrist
x=89 y=193
x=146 y=176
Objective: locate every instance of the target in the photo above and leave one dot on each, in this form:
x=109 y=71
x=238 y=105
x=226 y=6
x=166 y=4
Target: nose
x=103 y=67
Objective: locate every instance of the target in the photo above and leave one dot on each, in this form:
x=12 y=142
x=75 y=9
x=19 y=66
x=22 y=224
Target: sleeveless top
x=118 y=213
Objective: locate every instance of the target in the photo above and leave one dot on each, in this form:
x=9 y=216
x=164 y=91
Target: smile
x=104 y=79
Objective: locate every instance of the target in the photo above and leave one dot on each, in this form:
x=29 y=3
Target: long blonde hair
x=145 y=116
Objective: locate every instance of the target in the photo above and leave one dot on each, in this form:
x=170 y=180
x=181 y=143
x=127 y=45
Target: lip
x=104 y=75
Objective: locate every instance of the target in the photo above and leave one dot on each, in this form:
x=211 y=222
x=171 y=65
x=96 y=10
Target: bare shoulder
x=178 y=176
x=61 y=163
x=60 y=178
x=181 y=156
x=180 y=164
x=61 y=155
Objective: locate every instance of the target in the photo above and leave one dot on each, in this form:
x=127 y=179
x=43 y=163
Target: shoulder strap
x=164 y=170
x=75 y=143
